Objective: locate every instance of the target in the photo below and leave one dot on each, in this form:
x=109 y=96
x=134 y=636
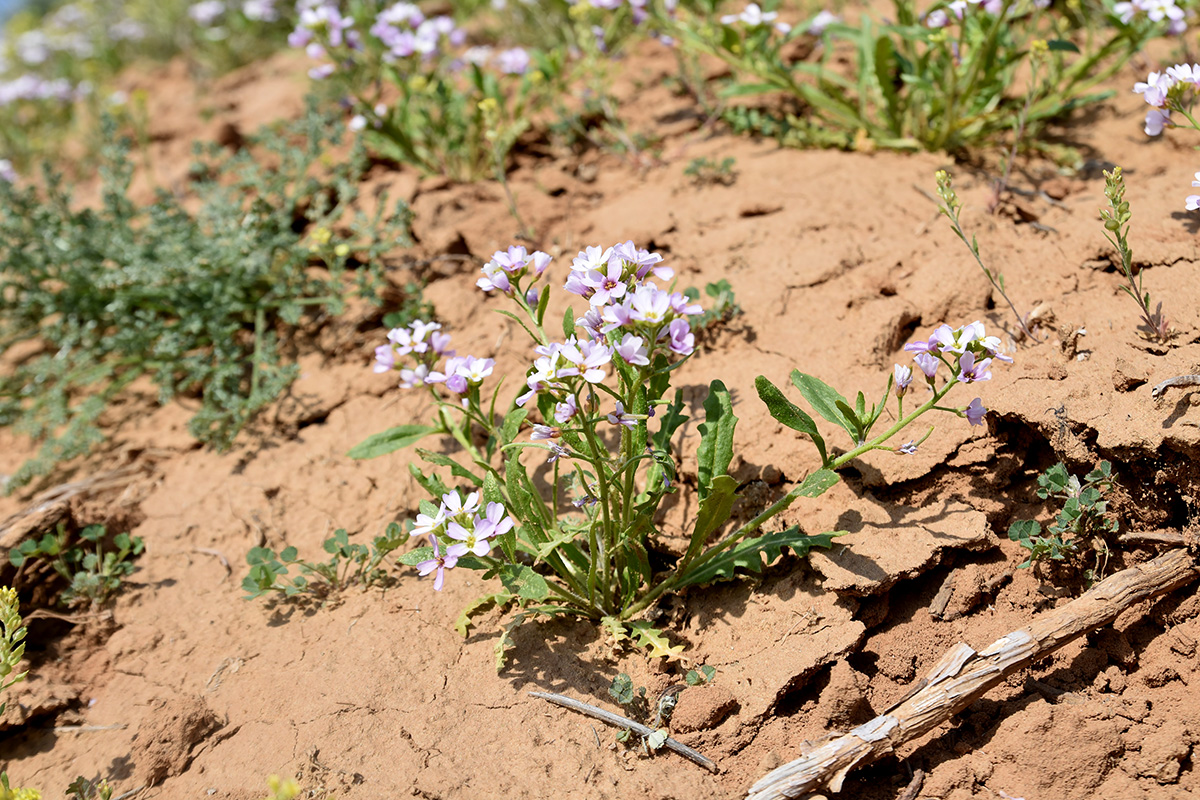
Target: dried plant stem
x=1182 y=380
x=618 y=721
x=963 y=675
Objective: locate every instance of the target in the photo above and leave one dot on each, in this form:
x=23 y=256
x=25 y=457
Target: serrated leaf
x=749 y=555
x=654 y=640
x=414 y=557
x=524 y=582
x=788 y=413
x=716 y=437
x=615 y=628
x=476 y=606
x=390 y=441
x=824 y=399
x=430 y=483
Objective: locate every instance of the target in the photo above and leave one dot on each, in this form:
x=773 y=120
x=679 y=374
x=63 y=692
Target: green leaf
x=622 y=689
x=430 y=483
x=713 y=512
x=414 y=557
x=524 y=582
x=477 y=606
x=1023 y=530
x=569 y=323
x=390 y=441
x=749 y=554
x=654 y=640
x=716 y=437
x=824 y=399
x=1062 y=46
x=512 y=425
x=818 y=483
x=788 y=413
x=456 y=469
x=885 y=76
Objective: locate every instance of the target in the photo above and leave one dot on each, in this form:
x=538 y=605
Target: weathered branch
x=963 y=675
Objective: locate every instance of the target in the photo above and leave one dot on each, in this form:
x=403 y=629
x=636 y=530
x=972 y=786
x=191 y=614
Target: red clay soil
x=838 y=259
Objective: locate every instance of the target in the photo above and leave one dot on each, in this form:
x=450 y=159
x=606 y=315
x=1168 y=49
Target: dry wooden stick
x=618 y=721
x=963 y=675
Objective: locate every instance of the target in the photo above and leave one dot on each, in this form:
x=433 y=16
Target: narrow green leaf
x=716 y=437
x=390 y=441
x=713 y=512
x=569 y=323
x=749 y=554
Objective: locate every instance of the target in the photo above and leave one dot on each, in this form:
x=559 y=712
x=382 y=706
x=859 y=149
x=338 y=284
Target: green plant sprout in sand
x=1116 y=229
x=951 y=209
x=348 y=564
x=1083 y=519
x=598 y=412
x=93 y=575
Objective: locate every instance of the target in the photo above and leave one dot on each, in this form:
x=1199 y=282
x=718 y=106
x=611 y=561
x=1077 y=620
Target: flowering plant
x=597 y=408
x=932 y=79
x=419 y=95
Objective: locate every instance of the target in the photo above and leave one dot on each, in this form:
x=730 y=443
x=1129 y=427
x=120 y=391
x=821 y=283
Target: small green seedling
x=93 y=574
x=1083 y=518
x=724 y=306
x=709 y=172
x=638 y=707
x=349 y=564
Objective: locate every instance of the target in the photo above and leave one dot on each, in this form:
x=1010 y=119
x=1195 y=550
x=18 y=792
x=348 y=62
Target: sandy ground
x=838 y=259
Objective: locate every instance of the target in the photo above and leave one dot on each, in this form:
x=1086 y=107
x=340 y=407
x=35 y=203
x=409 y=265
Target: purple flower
x=928 y=365
x=649 y=304
x=606 y=286
x=903 y=376
x=495 y=522
x=1155 y=88
x=513 y=62
x=542 y=432
x=468 y=541
x=205 y=12
x=439 y=562
x=565 y=411
x=385 y=358
x=1156 y=120
x=619 y=417
x=7 y=173
x=821 y=21
x=975 y=412
x=633 y=350
x=556 y=452
x=681 y=338
x=1191 y=204
x=908 y=448
x=970 y=371
x=417 y=376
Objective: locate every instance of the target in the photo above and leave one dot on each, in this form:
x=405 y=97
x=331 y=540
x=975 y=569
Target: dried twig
x=1182 y=380
x=618 y=721
x=963 y=675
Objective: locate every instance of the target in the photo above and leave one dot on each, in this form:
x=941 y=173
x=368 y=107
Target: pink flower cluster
x=1163 y=91
x=1155 y=11
x=459 y=520
x=425 y=342
x=967 y=351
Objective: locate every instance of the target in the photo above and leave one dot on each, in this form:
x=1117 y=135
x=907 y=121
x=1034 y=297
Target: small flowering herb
x=1116 y=229
x=604 y=384
x=951 y=208
x=12 y=640
x=933 y=78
